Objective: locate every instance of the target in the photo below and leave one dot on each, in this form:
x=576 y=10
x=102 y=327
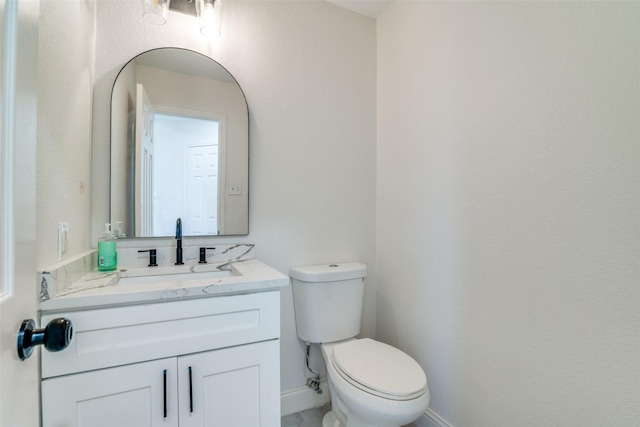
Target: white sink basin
x=173 y=277
x=174 y=273
x=172 y=269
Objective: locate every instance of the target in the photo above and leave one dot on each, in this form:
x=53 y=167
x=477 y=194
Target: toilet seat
x=379 y=369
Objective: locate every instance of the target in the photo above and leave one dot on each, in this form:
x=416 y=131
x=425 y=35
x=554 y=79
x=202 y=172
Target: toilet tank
x=328 y=300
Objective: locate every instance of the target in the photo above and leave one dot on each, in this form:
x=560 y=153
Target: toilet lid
x=380 y=369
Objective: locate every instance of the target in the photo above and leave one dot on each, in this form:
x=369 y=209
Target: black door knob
x=55 y=336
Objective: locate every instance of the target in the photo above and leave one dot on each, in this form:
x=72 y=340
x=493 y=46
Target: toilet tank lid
x=329 y=272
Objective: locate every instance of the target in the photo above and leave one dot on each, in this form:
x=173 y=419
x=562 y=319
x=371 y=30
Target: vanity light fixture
x=155 y=11
x=208 y=12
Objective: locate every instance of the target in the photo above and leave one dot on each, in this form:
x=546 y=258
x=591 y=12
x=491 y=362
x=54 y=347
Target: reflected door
x=187 y=173
x=144 y=163
x=201 y=179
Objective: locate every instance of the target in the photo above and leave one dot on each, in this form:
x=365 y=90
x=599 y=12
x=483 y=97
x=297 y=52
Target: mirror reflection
x=179 y=147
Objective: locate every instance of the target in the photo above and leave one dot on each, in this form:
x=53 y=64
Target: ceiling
x=371 y=8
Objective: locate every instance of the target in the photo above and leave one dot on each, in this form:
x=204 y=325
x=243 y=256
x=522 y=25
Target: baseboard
x=431 y=419
x=303 y=398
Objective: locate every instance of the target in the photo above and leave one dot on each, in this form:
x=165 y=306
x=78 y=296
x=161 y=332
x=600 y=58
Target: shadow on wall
x=391 y=331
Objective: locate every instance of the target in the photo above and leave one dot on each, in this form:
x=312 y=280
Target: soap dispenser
x=107 y=255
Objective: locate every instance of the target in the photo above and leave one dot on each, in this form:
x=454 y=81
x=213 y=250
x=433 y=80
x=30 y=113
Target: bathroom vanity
x=172 y=345
x=178 y=349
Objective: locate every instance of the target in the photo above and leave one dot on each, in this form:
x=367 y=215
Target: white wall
x=65 y=85
x=308 y=72
x=508 y=207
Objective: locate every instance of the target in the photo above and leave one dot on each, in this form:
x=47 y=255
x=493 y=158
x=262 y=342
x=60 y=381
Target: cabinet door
x=127 y=396
x=232 y=387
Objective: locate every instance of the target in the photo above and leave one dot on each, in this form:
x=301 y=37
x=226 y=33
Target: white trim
x=7 y=140
x=303 y=398
x=431 y=419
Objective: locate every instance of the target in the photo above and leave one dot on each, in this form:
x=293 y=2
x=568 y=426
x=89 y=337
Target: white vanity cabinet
x=201 y=362
x=230 y=387
x=131 y=395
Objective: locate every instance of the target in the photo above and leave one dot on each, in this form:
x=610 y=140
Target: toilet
x=372 y=384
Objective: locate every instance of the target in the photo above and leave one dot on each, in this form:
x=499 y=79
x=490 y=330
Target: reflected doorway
x=186 y=174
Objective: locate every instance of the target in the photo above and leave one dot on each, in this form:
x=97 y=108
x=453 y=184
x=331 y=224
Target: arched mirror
x=179 y=147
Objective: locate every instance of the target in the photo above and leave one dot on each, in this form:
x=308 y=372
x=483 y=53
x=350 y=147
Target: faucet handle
x=152 y=257
x=203 y=255
x=178 y=229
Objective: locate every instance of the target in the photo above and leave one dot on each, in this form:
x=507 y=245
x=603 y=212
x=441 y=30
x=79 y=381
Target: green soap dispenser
x=107 y=255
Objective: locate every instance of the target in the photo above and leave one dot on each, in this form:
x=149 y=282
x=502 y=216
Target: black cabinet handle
x=190 y=392
x=164 y=380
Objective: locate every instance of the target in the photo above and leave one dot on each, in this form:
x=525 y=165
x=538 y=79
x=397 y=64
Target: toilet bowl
x=372 y=384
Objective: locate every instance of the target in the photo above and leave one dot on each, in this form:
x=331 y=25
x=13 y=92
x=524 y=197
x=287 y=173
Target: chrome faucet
x=179 y=242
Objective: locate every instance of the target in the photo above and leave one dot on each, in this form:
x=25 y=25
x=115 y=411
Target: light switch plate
x=234 y=190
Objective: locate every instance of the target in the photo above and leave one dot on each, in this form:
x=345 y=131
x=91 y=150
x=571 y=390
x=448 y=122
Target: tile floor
x=309 y=418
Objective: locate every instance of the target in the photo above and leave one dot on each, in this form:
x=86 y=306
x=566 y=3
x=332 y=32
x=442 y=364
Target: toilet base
x=330 y=420
x=357 y=408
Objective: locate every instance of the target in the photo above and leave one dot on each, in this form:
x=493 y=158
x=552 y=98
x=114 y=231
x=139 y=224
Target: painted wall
x=65 y=90
x=508 y=207
x=308 y=71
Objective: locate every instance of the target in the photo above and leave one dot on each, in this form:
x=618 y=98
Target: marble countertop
x=128 y=286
